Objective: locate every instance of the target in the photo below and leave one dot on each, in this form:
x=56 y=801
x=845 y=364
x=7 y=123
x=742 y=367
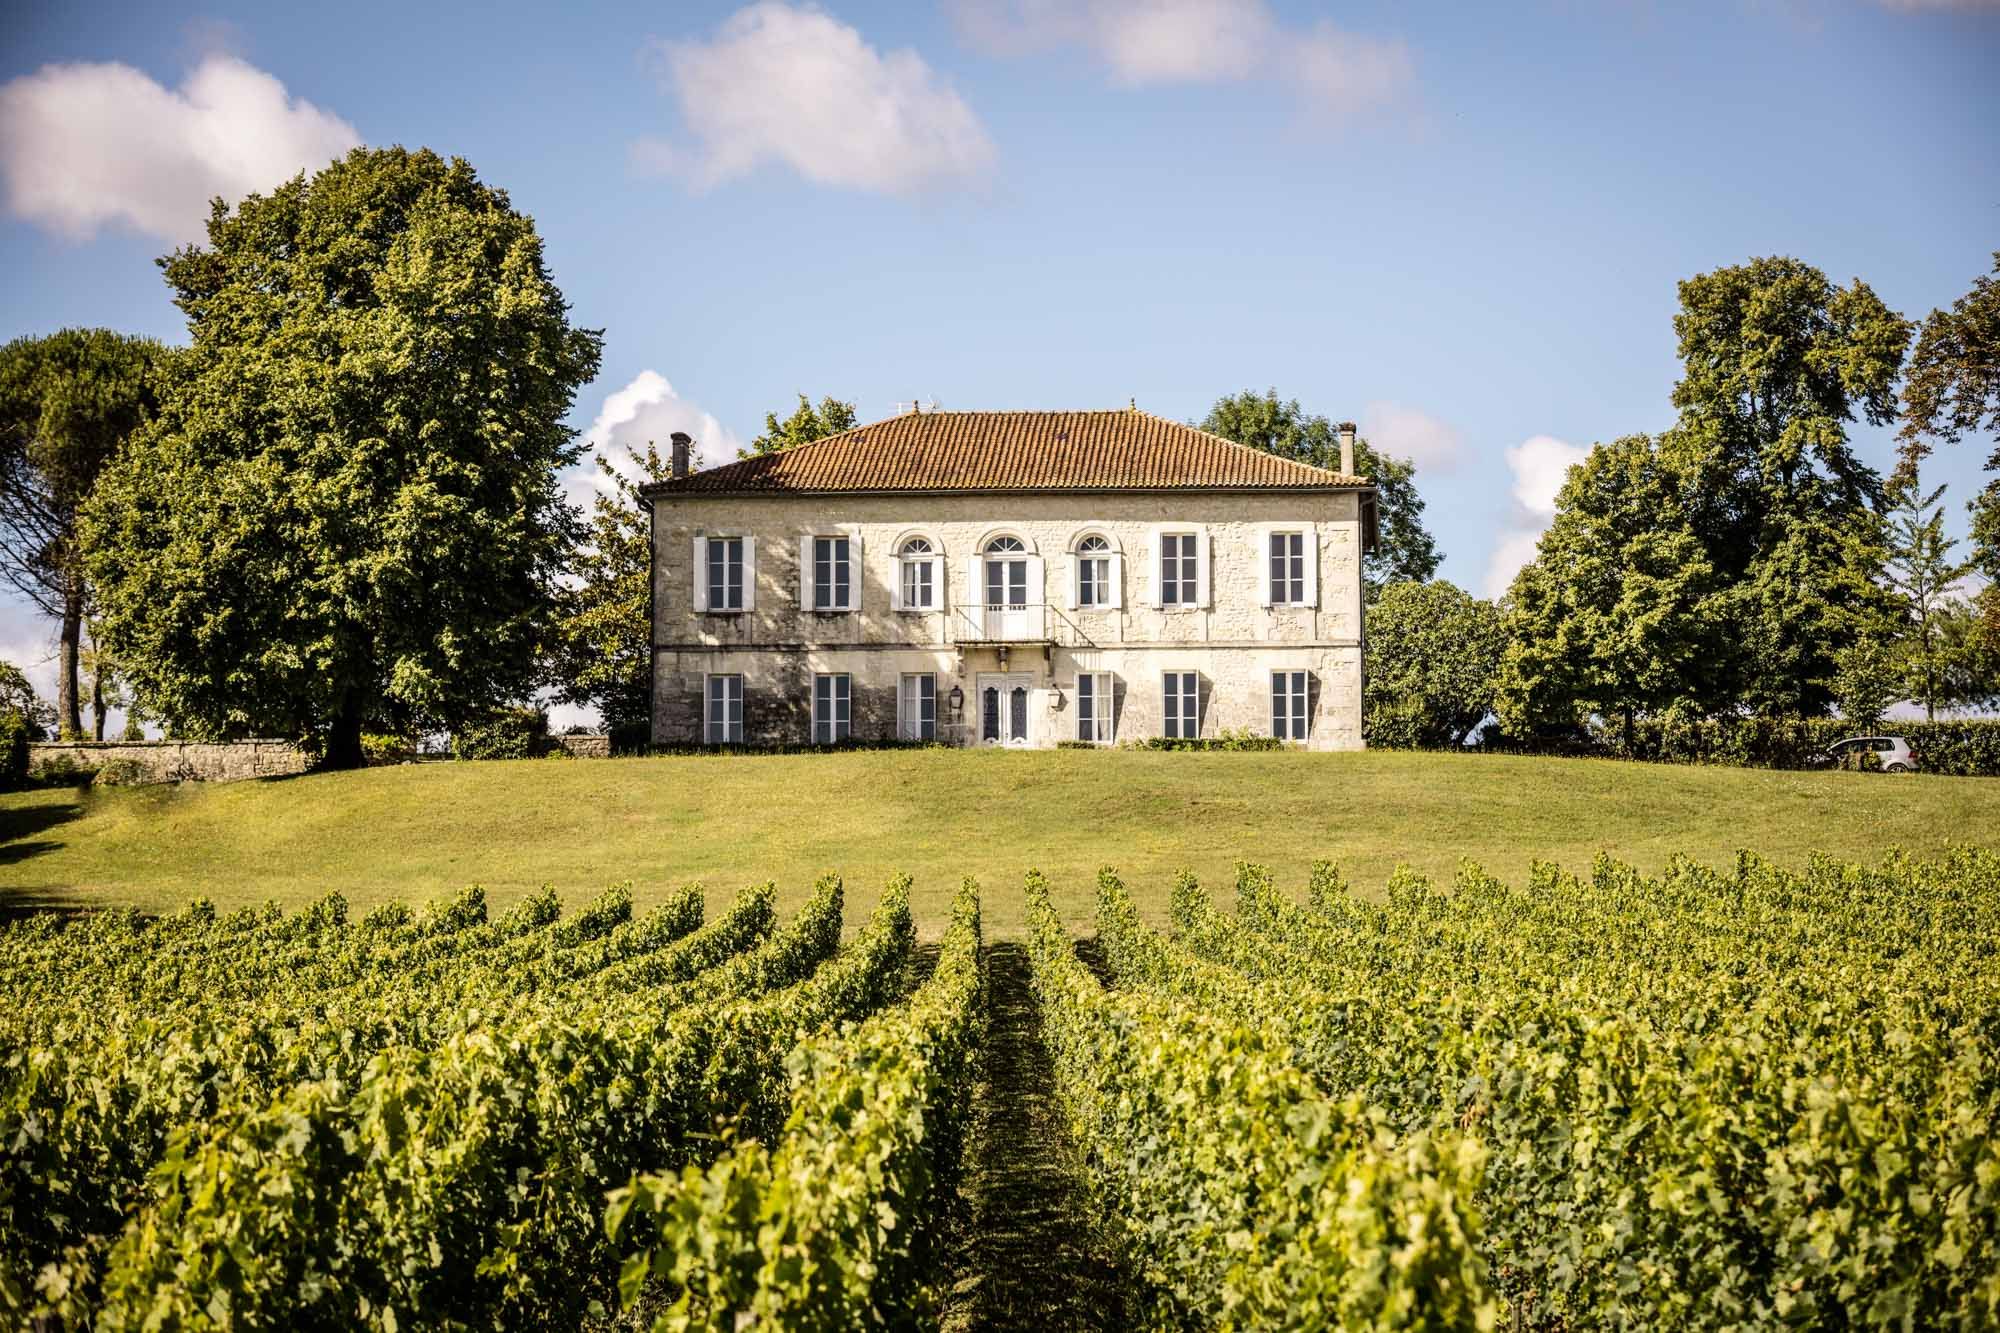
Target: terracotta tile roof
x=1011 y=451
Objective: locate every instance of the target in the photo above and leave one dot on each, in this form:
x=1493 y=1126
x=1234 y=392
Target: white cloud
x=797 y=87
x=83 y=146
x=1333 y=72
x=1412 y=433
x=645 y=411
x=1540 y=464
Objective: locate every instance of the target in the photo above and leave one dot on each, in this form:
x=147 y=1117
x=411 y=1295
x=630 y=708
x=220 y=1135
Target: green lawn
x=419 y=830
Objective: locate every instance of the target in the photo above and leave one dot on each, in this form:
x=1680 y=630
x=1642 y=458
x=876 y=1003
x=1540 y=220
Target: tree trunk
x=69 y=711
x=97 y=700
x=343 y=741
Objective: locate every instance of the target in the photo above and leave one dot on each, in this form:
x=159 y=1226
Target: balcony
x=1036 y=623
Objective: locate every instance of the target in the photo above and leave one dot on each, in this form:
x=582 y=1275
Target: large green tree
x=67 y=402
x=605 y=639
x=1406 y=552
x=1433 y=651
x=803 y=426
x=345 y=514
x=1952 y=390
x=1621 y=613
x=1776 y=362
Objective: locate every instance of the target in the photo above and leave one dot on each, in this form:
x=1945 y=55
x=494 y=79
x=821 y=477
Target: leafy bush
x=1969 y=748
x=510 y=733
x=13 y=750
x=379 y=748
x=121 y=773
x=1226 y=739
x=631 y=738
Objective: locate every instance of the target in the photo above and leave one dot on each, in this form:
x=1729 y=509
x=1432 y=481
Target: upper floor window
x=917 y=576
x=1290 y=719
x=1291 y=567
x=829 y=579
x=1288 y=568
x=1180 y=569
x=725 y=573
x=725 y=576
x=1094 y=573
x=1007 y=573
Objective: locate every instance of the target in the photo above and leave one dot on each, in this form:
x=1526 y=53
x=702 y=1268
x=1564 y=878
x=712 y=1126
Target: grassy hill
x=415 y=831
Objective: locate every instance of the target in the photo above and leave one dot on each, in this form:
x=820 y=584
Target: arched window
x=1094 y=573
x=919 y=574
x=1003 y=545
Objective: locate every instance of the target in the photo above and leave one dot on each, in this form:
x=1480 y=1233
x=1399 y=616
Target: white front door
x=1006 y=710
x=1006 y=597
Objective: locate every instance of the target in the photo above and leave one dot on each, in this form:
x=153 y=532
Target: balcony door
x=1007 y=613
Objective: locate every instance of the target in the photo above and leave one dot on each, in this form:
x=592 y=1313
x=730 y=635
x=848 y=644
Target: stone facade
x=1234 y=639
x=172 y=761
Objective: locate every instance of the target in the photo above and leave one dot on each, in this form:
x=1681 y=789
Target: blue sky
x=1461 y=225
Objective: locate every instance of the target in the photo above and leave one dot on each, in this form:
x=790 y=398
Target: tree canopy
x=1433 y=651
x=67 y=402
x=1622 y=611
x=605 y=639
x=346 y=512
x=1405 y=551
x=1776 y=362
x=1953 y=390
x=803 y=426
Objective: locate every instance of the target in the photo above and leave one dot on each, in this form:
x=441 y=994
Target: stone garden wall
x=166 y=761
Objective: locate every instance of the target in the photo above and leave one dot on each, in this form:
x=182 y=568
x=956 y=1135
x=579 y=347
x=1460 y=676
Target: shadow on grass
x=1028 y=1252
x=19 y=825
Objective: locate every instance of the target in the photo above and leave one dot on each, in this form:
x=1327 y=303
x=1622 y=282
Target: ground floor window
x=725 y=711
x=832 y=708
x=1180 y=703
x=916 y=708
x=1094 y=707
x=1289 y=717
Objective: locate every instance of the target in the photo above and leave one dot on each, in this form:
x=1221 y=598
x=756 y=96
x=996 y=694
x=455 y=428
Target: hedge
x=1955 y=748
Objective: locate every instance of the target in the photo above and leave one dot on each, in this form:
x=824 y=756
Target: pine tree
x=1922 y=572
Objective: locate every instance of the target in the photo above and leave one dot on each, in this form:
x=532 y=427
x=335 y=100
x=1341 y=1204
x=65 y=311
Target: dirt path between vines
x=1029 y=1254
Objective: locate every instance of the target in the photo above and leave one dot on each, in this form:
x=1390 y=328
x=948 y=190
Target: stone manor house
x=1009 y=578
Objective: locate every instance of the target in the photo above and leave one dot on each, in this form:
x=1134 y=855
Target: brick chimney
x=682 y=442
x=1347 y=448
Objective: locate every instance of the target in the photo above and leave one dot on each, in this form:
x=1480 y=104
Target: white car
x=1896 y=753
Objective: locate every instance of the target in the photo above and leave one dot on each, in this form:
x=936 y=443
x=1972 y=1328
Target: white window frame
x=836 y=723
x=908 y=566
x=1180 y=532
x=1173 y=698
x=1096 y=695
x=914 y=711
x=1308 y=536
x=713 y=733
x=809 y=582
x=1291 y=692
x=747 y=589
x=1111 y=594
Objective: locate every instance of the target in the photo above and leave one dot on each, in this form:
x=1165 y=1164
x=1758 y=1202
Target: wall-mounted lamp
x=957 y=698
x=1056 y=700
